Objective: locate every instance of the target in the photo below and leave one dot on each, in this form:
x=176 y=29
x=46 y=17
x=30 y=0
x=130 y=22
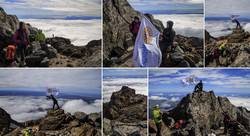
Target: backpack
x=10 y=53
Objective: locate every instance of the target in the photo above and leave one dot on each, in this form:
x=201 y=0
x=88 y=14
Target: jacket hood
x=170 y=23
x=20 y=25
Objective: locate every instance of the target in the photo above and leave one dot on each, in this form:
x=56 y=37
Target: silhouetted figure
x=238 y=24
x=198 y=87
x=54 y=101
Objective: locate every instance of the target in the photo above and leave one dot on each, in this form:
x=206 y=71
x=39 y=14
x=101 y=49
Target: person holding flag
x=134 y=27
x=168 y=37
x=50 y=92
x=199 y=86
x=147 y=52
x=234 y=19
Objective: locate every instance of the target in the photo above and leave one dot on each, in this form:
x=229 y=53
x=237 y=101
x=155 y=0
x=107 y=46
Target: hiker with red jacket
x=21 y=39
x=216 y=54
x=227 y=121
x=134 y=27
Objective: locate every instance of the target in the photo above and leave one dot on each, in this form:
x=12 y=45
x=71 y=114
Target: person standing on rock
x=40 y=36
x=216 y=54
x=222 y=48
x=227 y=121
x=134 y=27
x=238 y=24
x=199 y=86
x=54 y=101
x=157 y=114
x=168 y=37
x=21 y=38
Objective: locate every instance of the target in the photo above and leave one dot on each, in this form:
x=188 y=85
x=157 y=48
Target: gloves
x=159 y=118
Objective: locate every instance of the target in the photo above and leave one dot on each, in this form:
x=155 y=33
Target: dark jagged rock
x=7 y=124
x=117 y=42
x=237 y=54
x=203 y=111
x=56 y=122
x=125 y=112
x=58 y=49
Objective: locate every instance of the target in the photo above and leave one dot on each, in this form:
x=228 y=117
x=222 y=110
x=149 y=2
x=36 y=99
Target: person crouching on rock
x=227 y=121
x=21 y=39
x=157 y=114
x=168 y=37
x=54 y=101
x=40 y=36
x=134 y=27
x=198 y=87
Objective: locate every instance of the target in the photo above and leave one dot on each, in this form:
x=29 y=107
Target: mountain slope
x=117 y=39
x=203 y=111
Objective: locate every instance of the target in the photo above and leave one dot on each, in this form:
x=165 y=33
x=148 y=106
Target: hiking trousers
x=158 y=126
x=226 y=127
x=22 y=51
x=55 y=103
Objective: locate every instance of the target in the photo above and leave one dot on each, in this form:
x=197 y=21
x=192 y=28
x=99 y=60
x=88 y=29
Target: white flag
x=52 y=91
x=235 y=17
x=147 y=52
x=188 y=81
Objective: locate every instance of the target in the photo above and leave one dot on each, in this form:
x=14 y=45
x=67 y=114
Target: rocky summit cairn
x=204 y=111
x=118 y=43
x=61 y=53
x=238 y=53
x=56 y=122
x=125 y=112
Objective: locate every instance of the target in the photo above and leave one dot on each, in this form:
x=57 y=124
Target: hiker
x=54 y=101
x=157 y=114
x=223 y=47
x=199 y=86
x=216 y=54
x=179 y=123
x=227 y=121
x=21 y=38
x=40 y=36
x=238 y=23
x=28 y=132
x=134 y=27
x=168 y=37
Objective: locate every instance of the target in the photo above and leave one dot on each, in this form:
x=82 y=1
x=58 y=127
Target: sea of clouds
x=240 y=101
x=111 y=85
x=24 y=108
x=80 y=32
x=219 y=28
x=184 y=24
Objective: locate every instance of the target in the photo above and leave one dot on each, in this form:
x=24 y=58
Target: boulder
x=81 y=116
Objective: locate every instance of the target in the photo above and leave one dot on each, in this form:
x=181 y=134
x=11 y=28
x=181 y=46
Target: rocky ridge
x=56 y=123
x=204 y=111
x=54 y=52
x=126 y=112
x=238 y=53
x=118 y=43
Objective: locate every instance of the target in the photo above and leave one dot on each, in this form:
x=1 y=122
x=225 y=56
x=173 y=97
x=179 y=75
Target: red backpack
x=10 y=52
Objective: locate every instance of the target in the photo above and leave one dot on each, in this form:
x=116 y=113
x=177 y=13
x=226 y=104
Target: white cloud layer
x=184 y=24
x=224 y=27
x=240 y=101
x=24 y=108
x=157 y=98
x=80 y=32
x=111 y=85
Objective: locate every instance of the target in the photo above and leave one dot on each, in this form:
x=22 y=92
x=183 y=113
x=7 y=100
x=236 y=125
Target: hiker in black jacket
x=199 y=86
x=168 y=37
x=54 y=101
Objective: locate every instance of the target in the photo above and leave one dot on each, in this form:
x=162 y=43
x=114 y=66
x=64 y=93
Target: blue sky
x=51 y=8
x=219 y=80
x=224 y=8
x=185 y=6
x=67 y=80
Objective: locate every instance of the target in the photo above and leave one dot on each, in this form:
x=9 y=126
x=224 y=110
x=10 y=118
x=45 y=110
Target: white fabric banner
x=147 y=52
